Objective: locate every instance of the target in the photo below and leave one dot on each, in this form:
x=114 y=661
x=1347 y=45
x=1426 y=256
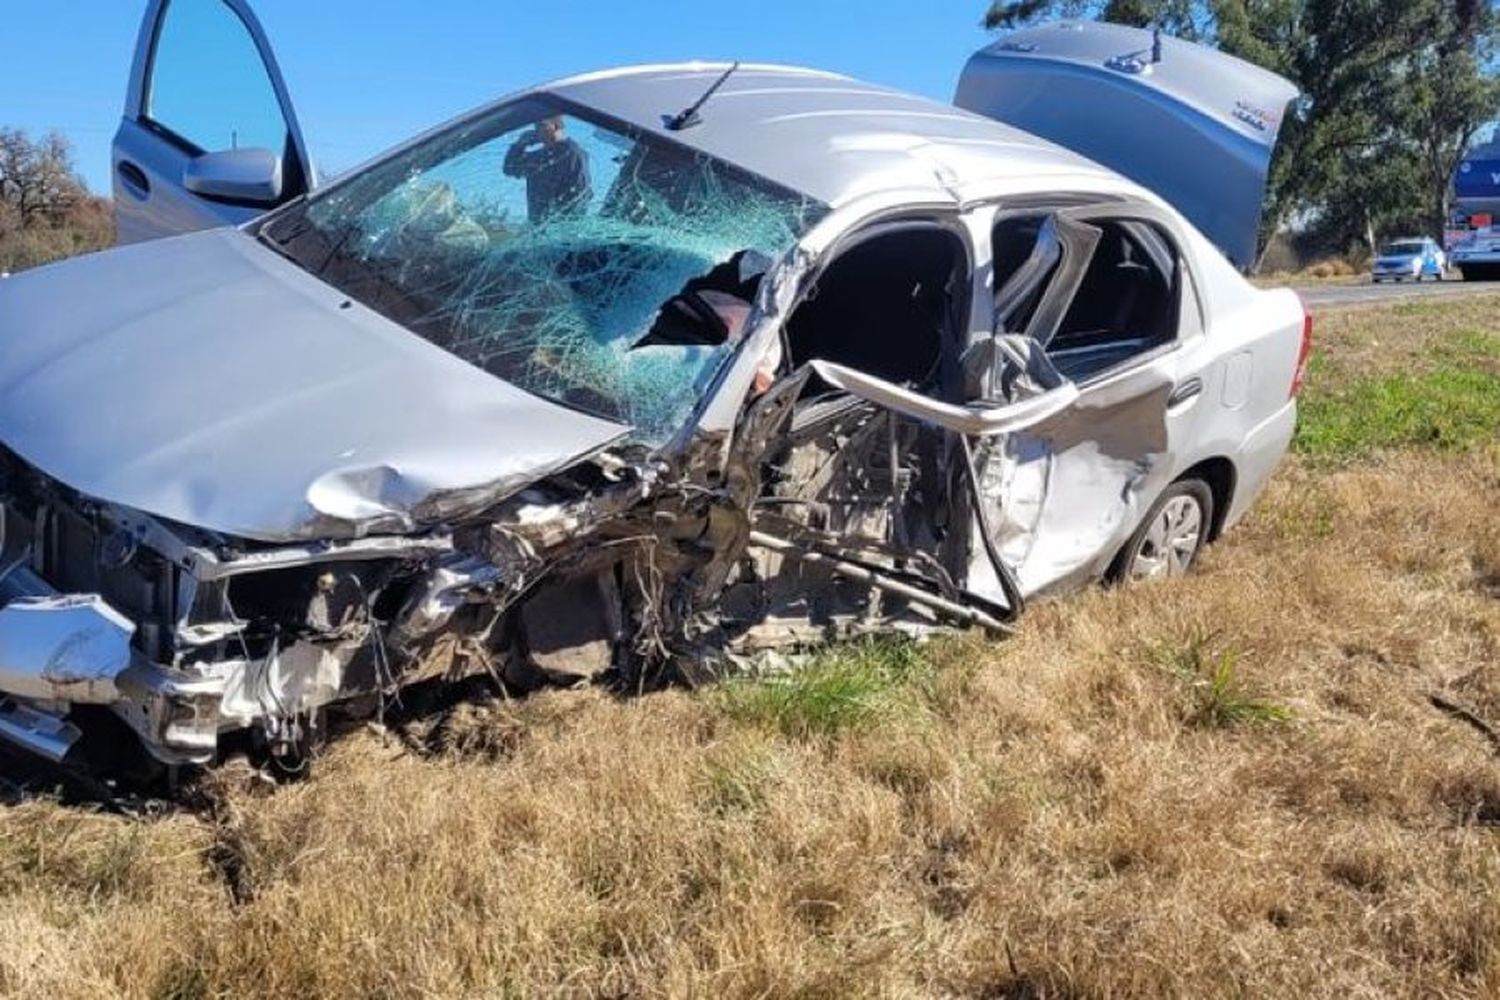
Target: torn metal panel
x=1077 y=241
x=175 y=713
x=448 y=586
x=286 y=683
x=43 y=733
x=1034 y=298
x=981 y=419
x=853 y=526
x=63 y=648
x=1068 y=490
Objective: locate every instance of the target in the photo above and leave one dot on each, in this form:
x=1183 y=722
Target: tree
x=1345 y=58
x=36 y=178
x=1392 y=94
x=46 y=211
x=1376 y=196
x=1452 y=96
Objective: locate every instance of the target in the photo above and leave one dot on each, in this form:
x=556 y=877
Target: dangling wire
x=385 y=676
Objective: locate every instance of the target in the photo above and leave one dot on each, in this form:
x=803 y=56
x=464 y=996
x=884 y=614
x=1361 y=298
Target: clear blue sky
x=366 y=74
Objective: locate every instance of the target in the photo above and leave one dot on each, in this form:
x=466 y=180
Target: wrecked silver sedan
x=605 y=379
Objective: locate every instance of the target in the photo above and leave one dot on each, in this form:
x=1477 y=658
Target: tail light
x=1303 y=353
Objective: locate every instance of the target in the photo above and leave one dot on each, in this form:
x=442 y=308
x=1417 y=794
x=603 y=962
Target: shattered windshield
x=592 y=265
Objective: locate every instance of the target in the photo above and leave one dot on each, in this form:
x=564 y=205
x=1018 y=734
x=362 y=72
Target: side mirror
x=248 y=175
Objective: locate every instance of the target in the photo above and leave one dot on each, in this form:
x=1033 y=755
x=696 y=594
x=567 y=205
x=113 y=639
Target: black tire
x=1120 y=570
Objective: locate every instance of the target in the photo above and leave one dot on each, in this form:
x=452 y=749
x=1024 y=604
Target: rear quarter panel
x=1255 y=336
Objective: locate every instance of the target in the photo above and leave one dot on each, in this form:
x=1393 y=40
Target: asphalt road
x=1363 y=292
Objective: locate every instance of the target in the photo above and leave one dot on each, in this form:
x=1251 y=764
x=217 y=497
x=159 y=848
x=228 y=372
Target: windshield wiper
x=688 y=116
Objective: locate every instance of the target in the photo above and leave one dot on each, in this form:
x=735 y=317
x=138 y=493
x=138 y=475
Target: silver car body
x=196 y=428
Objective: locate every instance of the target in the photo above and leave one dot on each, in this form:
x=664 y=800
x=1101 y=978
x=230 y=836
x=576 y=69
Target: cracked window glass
x=547 y=249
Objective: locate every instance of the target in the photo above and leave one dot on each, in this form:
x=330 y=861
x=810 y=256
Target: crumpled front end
x=180 y=634
x=60 y=651
x=77 y=627
x=187 y=637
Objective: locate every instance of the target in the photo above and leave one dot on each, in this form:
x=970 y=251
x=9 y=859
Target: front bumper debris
x=58 y=650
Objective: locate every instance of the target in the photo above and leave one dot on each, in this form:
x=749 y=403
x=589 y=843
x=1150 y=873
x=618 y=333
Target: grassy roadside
x=1238 y=784
x=1424 y=376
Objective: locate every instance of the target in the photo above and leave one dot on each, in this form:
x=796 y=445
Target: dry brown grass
x=1415 y=335
x=1334 y=267
x=1058 y=815
x=1333 y=270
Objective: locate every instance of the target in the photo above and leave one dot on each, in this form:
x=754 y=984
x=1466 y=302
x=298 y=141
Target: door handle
x=134 y=177
x=1184 y=391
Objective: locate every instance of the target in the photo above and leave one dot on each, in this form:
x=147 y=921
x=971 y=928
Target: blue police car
x=1409 y=260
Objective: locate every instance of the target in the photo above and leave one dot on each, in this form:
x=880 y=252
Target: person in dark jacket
x=556 y=170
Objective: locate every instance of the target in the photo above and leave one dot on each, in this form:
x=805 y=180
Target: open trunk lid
x=1192 y=124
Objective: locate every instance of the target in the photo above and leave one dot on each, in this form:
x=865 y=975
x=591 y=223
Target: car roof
x=828 y=136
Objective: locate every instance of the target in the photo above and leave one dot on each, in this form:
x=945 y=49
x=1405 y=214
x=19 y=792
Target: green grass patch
x=1472 y=345
x=1217 y=697
x=1418 y=375
x=843 y=687
x=1450 y=408
x=1419 y=308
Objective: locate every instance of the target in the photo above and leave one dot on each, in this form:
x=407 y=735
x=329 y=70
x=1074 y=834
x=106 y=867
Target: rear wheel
x=1170 y=537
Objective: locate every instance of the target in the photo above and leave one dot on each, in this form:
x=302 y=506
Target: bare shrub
x=46 y=211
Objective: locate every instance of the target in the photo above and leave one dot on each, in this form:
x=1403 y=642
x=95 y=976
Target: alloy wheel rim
x=1168 y=547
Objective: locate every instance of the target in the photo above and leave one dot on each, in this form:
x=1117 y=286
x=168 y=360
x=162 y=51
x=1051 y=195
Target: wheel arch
x=1219 y=473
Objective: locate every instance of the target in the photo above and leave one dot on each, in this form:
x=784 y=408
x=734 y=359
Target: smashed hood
x=207 y=380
